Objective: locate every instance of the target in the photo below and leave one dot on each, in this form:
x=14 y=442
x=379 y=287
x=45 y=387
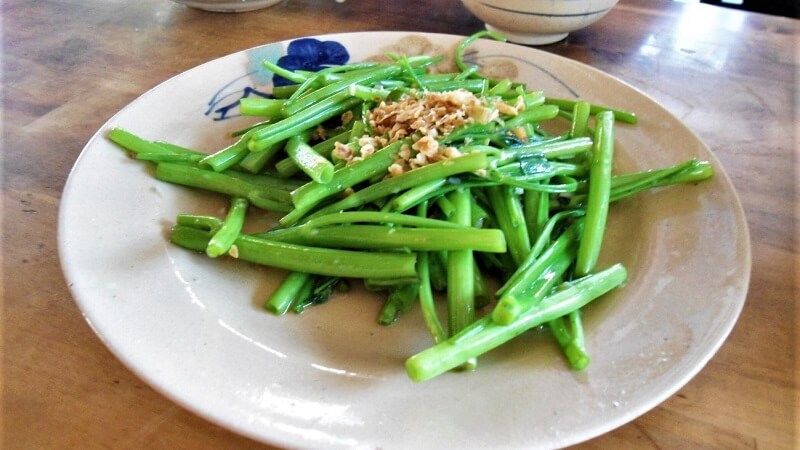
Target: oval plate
x=195 y=330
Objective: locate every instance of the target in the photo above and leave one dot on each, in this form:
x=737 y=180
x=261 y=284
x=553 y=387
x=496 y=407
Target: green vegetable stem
x=484 y=334
x=599 y=194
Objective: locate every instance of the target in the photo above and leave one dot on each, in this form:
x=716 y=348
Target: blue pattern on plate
x=301 y=54
x=224 y=104
x=312 y=55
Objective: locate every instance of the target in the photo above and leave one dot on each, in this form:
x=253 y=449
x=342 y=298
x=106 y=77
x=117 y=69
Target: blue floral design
x=312 y=55
x=224 y=105
x=304 y=54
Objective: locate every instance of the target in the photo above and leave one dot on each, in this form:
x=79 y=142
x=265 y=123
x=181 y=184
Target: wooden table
x=68 y=65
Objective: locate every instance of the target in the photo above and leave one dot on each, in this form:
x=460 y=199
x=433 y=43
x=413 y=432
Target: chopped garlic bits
x=425 y=117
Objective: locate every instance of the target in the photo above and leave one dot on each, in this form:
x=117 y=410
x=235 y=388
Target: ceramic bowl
x=538 y=22
x=228 y=5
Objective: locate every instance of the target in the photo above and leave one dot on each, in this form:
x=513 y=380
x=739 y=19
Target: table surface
x=68 y=65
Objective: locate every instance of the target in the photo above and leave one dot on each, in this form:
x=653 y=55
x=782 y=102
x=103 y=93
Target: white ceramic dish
x=538 y=22
x=194 y=329
x=228 y=6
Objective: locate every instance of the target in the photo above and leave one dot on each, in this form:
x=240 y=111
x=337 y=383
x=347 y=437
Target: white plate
x=194 y=329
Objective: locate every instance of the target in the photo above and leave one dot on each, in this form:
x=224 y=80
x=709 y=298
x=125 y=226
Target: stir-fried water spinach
x=425 y=186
